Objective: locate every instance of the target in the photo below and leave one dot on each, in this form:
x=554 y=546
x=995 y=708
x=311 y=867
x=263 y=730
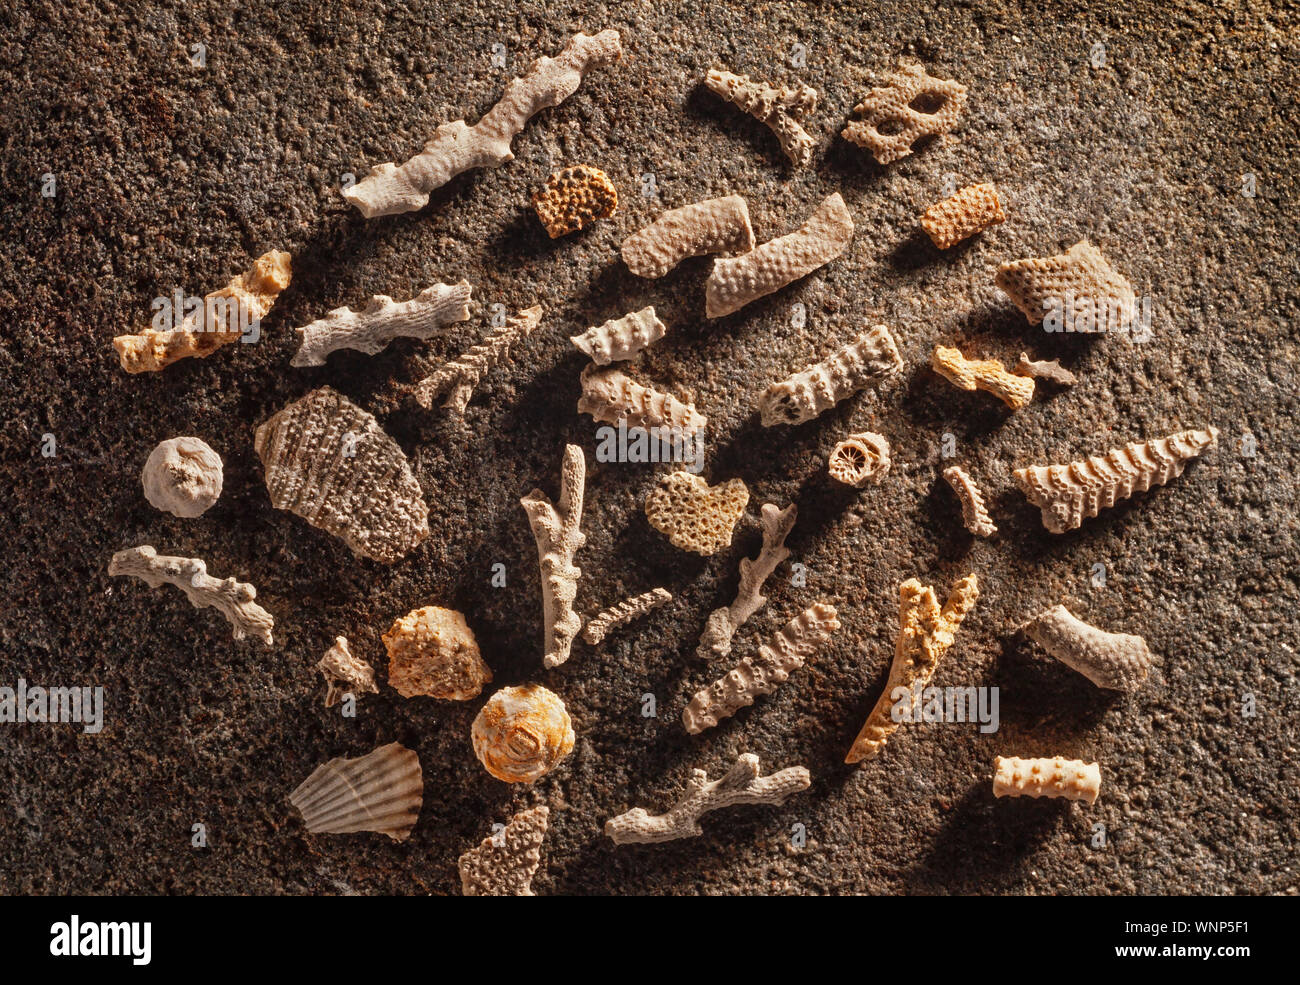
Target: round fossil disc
x=182 y=476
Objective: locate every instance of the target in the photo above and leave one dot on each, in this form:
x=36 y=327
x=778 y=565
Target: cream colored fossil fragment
x=1070 y=494
x=182 y=476
x=233 y=599
x=1044 y=369
x=693 y=515
x=558 y=532
x=969 y=211
x=780 y=110
x=602 y=624
x=737 y=281
x=505 y=862
x=345 y=673
x=609 y=395
x=432 y=652
x=740 y=785
x=719 y=225
x=925 y=632
x=805 y=395
x=974 y=515
x=382 y=320
x=227 y=315
x=458 y=378
x=1072 y=779
x=620 y=338
x=1116 y=661
x=382 y=792
x=715 y=641
x=859 y=459
x=456 y=147
x=328 y=461
x=1079 y=289
x=891 y=119
x=573 y=199
x=522 y=733
x=988 y=375
x=760 y=674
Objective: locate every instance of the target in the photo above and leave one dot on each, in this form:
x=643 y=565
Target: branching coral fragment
x=971 y=210
x=345 y=673
x=610 y=396
x=693 y=515
x=573 y=199
x=892 y=121
x=504 y=863
x=557 y=530
x=719 y=225
x=1044 y=369
x=458 y=378
x=1116 y=661
x=974 y=515
x=1079 y=288
x=988 y=375
x=620 y=338
x=600 y=625
x=779 y=109
x=859 y=459
x=1072 y=779
x=807 y=394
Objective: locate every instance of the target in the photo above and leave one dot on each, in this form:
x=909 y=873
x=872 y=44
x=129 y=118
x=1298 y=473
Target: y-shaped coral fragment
x=1072 y=779
x=859 y=459
x=805 y=395
x=741 y=785
x=345 y=673
x=988 y=375
x=719 y=225
x=893 y=121
x=779 y=109
x=1080 y=288
x=760 y=674
x=573 y=199
x=557 y=530
x=1044 y=369
x=382 y=320
x=607 y=620
x=693 y=515
x=233 y=599
x=456 y=147
x=458 y=378
x=1117 y=661
x=1069 y=494
x=620 y=338
x=971 y=210
x=925 y=632
x=736 y=282
x=610 y=396
x=974 y=515
x=504 y=863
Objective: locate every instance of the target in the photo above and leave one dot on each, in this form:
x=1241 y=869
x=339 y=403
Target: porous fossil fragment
x=1117 y=661
x=779 y=109
x=1072 y=779
x=988 y=375
x=505 y=862
x=694 y=515
x=620 y=338
x=522 y=733
x=1079 y=287
x=328 y=461
x=382 y=320
x=558 y=532
x=609 y=395
x=913 y=105
x=761 y=673
x=458 y=378
x=968 y=211
x=456 y=147
x=1044 y=369
x=225 y=317
x=382 y=791
x=740 y=785
x=1070 y=494
x=925 y=632
x=718 y=225
x=974 y=515
x=345 y=673
x=432 y=652
x=859 y=459
x=607 y=620
x=737 y=281
x=182 y=476
x=573 y=199
x=810 y=392
x=233 y=599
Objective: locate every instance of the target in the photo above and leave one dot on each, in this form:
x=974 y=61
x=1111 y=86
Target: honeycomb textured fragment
x=1076 y=291
x=575 y=198
x=719 y=225
x=969 y=211
x=692 y=514
x=504 y=863
x=891 y=119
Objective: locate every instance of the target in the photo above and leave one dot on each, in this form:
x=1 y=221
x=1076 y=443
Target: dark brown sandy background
x=174 y=176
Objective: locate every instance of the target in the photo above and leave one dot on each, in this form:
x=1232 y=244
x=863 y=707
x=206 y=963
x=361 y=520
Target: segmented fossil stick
x=557 y=530
x=891 y=122
x=1072 y=779
x=779 y=109
x=719 y=225
x=811 y=392
x=504 y=863
x=971 y=210
x=1080 y=284
x=458 y=378
x=610 y=395
x=1116 y=661
x=620 y=338
x=974 y=515
x=602 y=624
x=988 y=375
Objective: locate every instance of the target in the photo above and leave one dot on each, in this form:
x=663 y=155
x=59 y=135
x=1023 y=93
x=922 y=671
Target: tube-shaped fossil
x=974 y=515
x=809 y=393
x=458 y=378
x=1072 y=779
x=988 y=375
x=971 y=210
x=557 y=530
x=610 y=395
x=504 y=863
x=719 y=225
x=620 y=338
x=607 y=620
x=778 y=109
x=892 y=122
x=1116 y=661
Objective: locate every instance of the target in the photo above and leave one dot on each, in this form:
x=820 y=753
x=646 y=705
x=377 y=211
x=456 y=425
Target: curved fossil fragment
x=504 y=863
x=859 y=459
x=557 y=528
x=719 y=225
x=607 y=620
x=620 y=338
x=807 y=394
x=381 y=792
x=892 y=123
x=969 y=211
x=458 y=378
x=988 y=375
x=1080 y=286
x=974 y=515
x=780 y=110
x=610 y=395
x=1117 y=661
x=1072 y=779
x=182 y=476
x=345 y=673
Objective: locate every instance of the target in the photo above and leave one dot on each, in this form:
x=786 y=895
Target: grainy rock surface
x=175 y=176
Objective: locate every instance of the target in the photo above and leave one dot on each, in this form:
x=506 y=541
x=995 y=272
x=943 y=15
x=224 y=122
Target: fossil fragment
x=892 y=119
x=504 y=863
x=988 y=375
x=182 y=476
x=971 y=210
x=1116 y=661
x=381 y=792
x=573 y=199
x=226 y=316
x=458 y=378
x=719 y=225
x=740 y=785
x=456 y=147
x=601 y=625
x=522 y=733
x=806 y=394
x=1070 y=494
x=432 y=651
x=610 y=395
x=737 y=281
x=1072 y=779
x=1080 y=288
x=557 y=530
x=974 y=516
x=760 y=674
x=859 y=459
x=328 y=461
x=233 y=599
x=780 y=110
x=382 y=320
x=1044 y=369
x=694 y=515
x=620 y=338
x=345 y=673
x=925 y=632
x=715 y=641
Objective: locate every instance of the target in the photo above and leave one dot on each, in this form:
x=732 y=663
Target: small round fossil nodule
x=522 y=733
x=182 y=476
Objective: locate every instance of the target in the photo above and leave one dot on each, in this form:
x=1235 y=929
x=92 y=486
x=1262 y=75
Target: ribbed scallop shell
x=382 y=792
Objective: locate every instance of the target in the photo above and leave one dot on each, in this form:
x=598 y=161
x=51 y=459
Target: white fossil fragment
x=913 y=105
x=805 y=395
x=345 y=673
x=859 y=459
x=719 y=225
x=1078 y=289
x=974 y=515
x=458 y=378
x=607 y=620
x=557 y=528
x=610 y=395
x=620 y=338
x=779 y=109
x=505 y=862
x=382 y=792
x=1044 y=369
x=182 y=476
x=1117 y=661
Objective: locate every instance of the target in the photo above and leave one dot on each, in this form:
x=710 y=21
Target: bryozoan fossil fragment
x=859 y=459
x=974 y=515
x=1072 y=779
x=573 y=199
x=815 y=390
x=457 y=379
x=718 y=225
x=1116 y=661
x=1079 y=289
x=891 y=120
x=620 y=338
x=182 y=476
x=345 y=673
x=557 y=528
x=967 y=212
x=780 y=109
x=607 y=620
x=504 y=863
x=988 y=375
x=609 y=395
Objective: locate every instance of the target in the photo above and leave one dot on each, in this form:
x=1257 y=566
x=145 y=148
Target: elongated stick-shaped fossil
x=610 y=396
x=761 y=673
x=1069 y=494
x=1116 y=661
x=1072 y=779
x=456 y=147
x=504 y=863
x=1044 y=369
x=868 y=358
x=620 y=338
x=892 y=122
x=557 y=530
x=233 y=599
x=779 y=109
x=382 y=320
x=741 y=785
x=715 y=641
x=719 y=225
x=1079 y=286
x=925 y=632
x=607 y=620
x=736 y=282
x=974 y=515
x=988 y=375
x=971 y=210
x=458 y=378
